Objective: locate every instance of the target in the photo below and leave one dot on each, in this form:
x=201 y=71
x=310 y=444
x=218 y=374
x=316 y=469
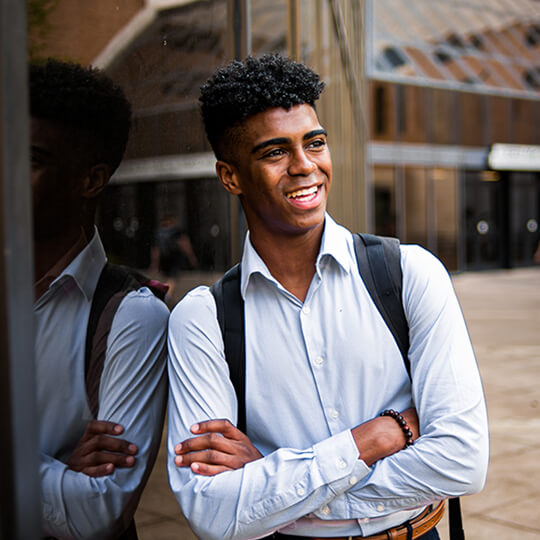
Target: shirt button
x=353 y=480
x=306 y=310
x=325 y=510
x=300 y=492
x=319 y=360
x=380 y=507
x=342 y=464
x=334 y=414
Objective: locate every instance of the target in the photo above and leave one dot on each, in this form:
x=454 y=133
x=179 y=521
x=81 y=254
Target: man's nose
x=301 y=164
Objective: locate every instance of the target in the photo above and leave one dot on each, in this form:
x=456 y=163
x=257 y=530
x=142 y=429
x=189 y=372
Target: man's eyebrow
x=314 y=133
x=270 y=142
x=285 y=140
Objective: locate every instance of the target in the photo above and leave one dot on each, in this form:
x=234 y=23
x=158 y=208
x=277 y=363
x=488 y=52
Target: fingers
x=211 y=458
x=210 y=441
x=218 y=426
x=98 y=470
x=208 y=470
x=96 y=427
x=100 y=461
x=107 y=443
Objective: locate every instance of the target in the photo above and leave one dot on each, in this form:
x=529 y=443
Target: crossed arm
x=219 y=446
x=94 y=493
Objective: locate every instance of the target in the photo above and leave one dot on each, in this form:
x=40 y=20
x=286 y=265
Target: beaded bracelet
x=402 y=424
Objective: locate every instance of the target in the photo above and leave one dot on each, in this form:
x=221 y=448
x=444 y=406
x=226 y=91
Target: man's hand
x=383 y=436
x=219 y=447
x=100 y=450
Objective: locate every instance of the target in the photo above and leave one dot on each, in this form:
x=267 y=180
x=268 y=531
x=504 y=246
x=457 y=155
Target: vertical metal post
x=239 y=15
x=19 y=484
x=293 y=29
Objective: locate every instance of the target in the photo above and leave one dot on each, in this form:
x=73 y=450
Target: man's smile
x=304 y=193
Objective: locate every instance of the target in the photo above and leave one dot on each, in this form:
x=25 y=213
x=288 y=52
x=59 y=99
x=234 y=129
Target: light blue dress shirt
x=132 y=393
x=314 y=370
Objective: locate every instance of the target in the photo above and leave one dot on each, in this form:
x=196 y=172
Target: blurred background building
x=426 y=104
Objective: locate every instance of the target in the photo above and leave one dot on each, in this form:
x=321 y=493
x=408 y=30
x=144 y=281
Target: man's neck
x=291 y=258
x=49 y=250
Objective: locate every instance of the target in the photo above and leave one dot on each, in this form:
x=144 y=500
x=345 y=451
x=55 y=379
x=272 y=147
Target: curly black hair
x=86 y=101
x=242 y=89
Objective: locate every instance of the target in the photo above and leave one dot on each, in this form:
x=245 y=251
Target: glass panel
x=382 y=111
x=415 y=190
x=484 y=221
x=385 y=201
x=524 y=217
x=446 y=216
x=163 y=212
x=161 y=72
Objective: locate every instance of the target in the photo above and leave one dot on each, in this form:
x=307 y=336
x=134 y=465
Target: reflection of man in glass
x=316 y=460
x=92 y=470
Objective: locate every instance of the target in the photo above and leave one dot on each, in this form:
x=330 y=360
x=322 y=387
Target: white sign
x=514 y=157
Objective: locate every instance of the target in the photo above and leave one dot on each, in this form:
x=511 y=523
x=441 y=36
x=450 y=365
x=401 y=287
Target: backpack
x=379 y=264
x=114 y=283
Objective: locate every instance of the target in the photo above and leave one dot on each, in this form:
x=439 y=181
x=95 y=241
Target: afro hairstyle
x=87 y=102
x=242 y=89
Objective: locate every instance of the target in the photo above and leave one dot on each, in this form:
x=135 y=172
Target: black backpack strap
x=230 y=315
x=379 y=264
x=455 y=522
x=113 y=284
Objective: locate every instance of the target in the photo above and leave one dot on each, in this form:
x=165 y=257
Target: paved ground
x=502 y=309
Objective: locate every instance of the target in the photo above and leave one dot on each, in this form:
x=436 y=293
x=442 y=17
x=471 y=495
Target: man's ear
x=95 y=181
x=228 y=177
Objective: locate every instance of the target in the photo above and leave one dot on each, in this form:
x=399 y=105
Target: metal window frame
x=20 y=513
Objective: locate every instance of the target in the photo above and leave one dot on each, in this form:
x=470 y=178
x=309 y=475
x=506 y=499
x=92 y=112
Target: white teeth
x=302 y=192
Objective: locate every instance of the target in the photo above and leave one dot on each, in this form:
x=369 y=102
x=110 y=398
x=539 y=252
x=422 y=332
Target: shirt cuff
x=52 y=502
x=338 y=458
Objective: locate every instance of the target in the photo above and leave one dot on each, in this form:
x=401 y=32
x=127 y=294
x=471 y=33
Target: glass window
x=385 y=201
x=415 y=211
x=446 y=216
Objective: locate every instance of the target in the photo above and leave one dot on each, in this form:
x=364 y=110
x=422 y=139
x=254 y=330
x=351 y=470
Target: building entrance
x=501 y=217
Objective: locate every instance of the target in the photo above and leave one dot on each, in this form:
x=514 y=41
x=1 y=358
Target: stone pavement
x=502 y=309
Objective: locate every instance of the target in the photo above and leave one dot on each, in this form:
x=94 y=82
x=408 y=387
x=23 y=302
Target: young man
x=317 y=460
x=92 y=470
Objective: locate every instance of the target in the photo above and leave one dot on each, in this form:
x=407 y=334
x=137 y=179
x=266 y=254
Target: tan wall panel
x=499 y=119
x=522 y=121
x=471 y=119
x=414 y=115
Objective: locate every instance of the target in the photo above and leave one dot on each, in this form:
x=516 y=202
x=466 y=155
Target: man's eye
x=317 y=143
x=274 y=153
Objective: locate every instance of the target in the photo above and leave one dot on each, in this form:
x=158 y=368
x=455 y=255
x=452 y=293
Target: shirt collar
x=334 y=244
x=86 y=267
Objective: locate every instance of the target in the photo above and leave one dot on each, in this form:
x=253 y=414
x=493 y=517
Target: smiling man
x=315 y=459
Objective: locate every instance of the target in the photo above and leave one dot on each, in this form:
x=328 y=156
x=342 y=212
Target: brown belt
x=420 y=525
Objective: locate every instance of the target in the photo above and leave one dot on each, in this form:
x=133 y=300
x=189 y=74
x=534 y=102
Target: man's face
x=56 y=179
x=283 y=170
